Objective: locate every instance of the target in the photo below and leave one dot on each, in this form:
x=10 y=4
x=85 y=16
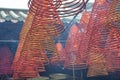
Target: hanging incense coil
x=33 y=43
x=73 y=57
x=72 y=42
x=6 y=58
x=23 y=34
x=97 y=39
x=61 y=51
x=83 y=37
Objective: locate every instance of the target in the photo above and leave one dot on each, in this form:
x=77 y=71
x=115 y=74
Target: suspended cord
x=73 y=66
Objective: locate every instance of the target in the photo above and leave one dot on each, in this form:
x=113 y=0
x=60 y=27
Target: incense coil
x=113 y=41
x=96 y=24
x=97 y=37
x=23 y=34
x=73 y=57
x=72 y=42
x=61 y=51
x=83 y=35
x=6 y=58
x=15 y=67
x=26 y=26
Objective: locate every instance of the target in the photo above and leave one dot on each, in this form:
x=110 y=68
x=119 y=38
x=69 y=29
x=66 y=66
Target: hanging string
x=73 y=58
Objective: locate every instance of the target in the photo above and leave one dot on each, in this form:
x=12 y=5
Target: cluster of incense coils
x=90 y=44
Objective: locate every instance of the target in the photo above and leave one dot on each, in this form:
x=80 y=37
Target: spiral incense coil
x=73 y=57
x=83 y=37
x=26 y=26
x=23 y=34
x=97 y=39
x=96 y=24
x=72 y=42
x=5 y=61
x=61 y=51
x=17 y=63
x=113 y=40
